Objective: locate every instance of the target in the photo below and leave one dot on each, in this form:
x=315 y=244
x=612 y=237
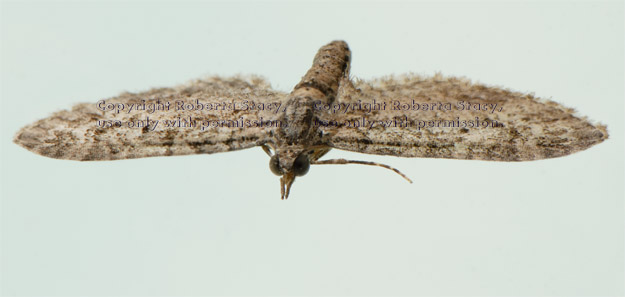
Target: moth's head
x=289 y=164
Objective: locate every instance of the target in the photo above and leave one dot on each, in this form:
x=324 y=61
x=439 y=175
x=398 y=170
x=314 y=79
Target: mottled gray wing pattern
x=75 y=134
x=531 y=128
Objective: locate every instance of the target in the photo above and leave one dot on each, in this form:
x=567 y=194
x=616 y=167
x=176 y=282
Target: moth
x=405 y=116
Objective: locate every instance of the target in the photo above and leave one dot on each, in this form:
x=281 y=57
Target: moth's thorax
x=298 y=116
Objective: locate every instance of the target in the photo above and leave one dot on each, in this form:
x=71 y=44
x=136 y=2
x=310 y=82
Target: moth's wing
x=531 y=128
x=74 y=134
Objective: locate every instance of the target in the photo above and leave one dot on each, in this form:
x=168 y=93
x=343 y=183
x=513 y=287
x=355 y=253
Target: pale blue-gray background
x=214 y=224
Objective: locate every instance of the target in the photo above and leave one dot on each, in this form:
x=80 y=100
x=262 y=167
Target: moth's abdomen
x=319 y=86
x=330 y=64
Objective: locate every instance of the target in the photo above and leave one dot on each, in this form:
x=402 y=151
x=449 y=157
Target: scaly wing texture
x=530 y=128
x=75 y=134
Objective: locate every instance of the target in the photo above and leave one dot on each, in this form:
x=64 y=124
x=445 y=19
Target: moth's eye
x=274 y=165
x=301 y=165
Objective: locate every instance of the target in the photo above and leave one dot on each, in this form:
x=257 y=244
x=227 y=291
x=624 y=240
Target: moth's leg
x=317 y=153
x=343 y=161
x=267 y=149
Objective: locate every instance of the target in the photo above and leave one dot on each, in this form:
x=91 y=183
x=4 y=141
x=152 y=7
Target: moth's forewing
x=446 y=117
x=202 y=117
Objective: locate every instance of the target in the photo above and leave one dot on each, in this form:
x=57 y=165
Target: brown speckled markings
x=75 y=135
x=532 y=129
x=528 y=128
